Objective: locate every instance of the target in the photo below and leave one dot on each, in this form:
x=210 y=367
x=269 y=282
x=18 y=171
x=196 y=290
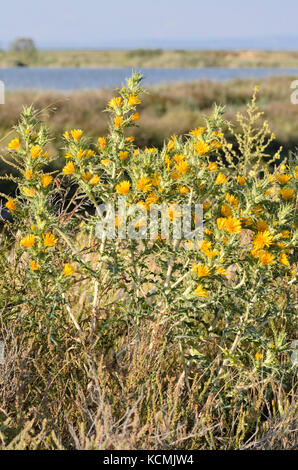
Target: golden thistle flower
x=152 y=199
x=102 y=142
x=118 y=121
x=201 y=291
x=14 y=144
x=241 y=180
x=95 y=180
x=220 y=270
x=287 y=193
x=49 y=239
x=123 y=155
x=262 y=239
x=198 y=131
x=232 y=225
x=266 y=258
x=86 y=175
x=259 y=356
x=232 y=200
x=105 y=161
x=284 y=178
x=29 y=191
x=261 y=225
x=183 y=189
x=213 y=166
x=68 y=169
x=89 y=153
x=135 y=117
x=66 y=135
x=133 y=100
x=221 y=178
x=36 y=151
x=34 y=266
x=46 y=180
x=201 y=270
x=225 y=210
x=201 y=147
x=182 y=167
x=123 y=187
x=206 y=205
x=221 y=222
x=144 y=184
x=68 y=269
x=76 y=134
x=116 y=102
x=10 y=205
x=28 y=174
x=283 y=259
x=28 y=241
x=80 y=153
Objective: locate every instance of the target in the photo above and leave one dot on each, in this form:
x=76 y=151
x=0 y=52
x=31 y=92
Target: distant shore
x=151 y=58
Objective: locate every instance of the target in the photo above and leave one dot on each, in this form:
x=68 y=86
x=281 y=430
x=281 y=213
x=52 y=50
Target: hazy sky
x=133 y=23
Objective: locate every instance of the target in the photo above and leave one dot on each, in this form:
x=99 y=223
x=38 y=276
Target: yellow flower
x=262 y=239
x=123 y=187
x=49 y=239
x=76 y=134
x=66 y=135
x=152 y=198
x=28 y=174
x=266 y=258
x=241 y=180
x=296 y=172
x=123 y=155
x=86 y=175
x=198 y=131
x=287 y=193
x=133 y=100
x=213 y=166
x=183 y=189
x=68 y=169
x=29 y=191
x=116 y=102
x=35 y=151
x=285 y=233
x=102 y=142
x=68 y=269
x=226 y=211
x=46 y=155
x=232 y=200
x=206 y=205
x=95 y=180
x=221 y=222
x=46 y=180
x=261 y=225
x=135 y=117
x=144 y=184
x=14 y=144
x=283 y=259
x=182 y=167
x=284 y=178
x=105 y=161
x=10 y=205
x=171 y=145
x=221 y=270
x=118 y=121
x=221 y=178
x=259 y=356
x=28 y=241
x=201 y=147
x=201 y=291
x=201 y=270
x=90 y=153
x=80 y=153
x=232 y=225
x=34 y=266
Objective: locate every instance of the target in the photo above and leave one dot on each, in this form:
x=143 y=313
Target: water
x=86 y=78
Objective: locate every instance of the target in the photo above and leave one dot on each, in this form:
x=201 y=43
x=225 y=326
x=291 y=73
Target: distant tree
x=24 y=50
x=23 y=45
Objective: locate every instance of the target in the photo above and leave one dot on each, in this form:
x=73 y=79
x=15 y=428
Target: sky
x=270 y=24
